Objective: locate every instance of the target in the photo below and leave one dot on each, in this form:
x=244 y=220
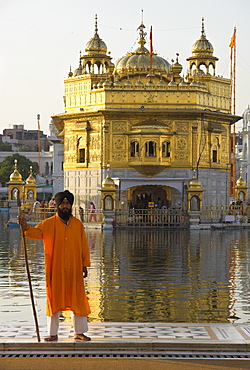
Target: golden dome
x=139 y=60
x=107 y=83
x=240 y=181
x=150 y=84
x=95 y=45
x=117 y=83
x=31 y=179
x=194 y=183
x=177 y=67
x=139 y=84
x=202 y=46
x=128 y=83
x=108 y=182
x=161 y=84
x=16 y=176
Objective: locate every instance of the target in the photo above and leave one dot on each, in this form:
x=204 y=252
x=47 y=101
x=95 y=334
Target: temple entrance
x=156 y=206
x=153 y=196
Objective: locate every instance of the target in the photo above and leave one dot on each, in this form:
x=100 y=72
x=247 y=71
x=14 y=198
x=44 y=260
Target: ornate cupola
x=138 y=62
x=30 y=187
x=202 y=54
x=96 y=60
x=96 y=46
x=241 y=188
x=15 y=185
x=108 y=192
x=194 y=193
x=176 y=70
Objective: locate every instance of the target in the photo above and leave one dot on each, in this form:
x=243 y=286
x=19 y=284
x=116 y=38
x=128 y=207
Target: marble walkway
x=133 y=337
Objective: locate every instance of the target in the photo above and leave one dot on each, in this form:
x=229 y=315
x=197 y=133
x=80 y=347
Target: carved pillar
x=194 y=146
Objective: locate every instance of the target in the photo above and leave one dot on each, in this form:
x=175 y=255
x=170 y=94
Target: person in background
x=66 y=261
x=52 y=206
x=81 y=213
x=36 y=210
x=92 y=216
x=43 y=209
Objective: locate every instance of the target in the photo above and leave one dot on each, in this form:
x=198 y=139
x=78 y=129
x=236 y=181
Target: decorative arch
x=134 y=149
x=81 y=150
x=150 y=148
x=241 y=196
x=14 y=193
x=211 y=69
x=202 y=68
x=195 y=203
x=193 y=68
x=30 y=194
x=166 y=149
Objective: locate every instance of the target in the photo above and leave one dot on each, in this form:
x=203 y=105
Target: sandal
x=51 y=338
x=82 y=337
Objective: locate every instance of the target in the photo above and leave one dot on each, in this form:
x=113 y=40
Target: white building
x=244 y=158
x=51 y=162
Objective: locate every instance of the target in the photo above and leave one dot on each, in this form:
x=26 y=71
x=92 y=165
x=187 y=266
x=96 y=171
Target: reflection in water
x=140 y=276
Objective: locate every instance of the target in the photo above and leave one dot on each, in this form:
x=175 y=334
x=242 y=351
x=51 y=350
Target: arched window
x=202 y=69
x=211 y=69
x=82 y=155
x=194 y=203
x=81 y=151
x=108 y=203
x=134 y=149
x=14 y=193
x=215 y=156
x=30 y=194
x=150 y=148
x=215 y=150
x=241 y=195
x=166 y=149
x=46 y=168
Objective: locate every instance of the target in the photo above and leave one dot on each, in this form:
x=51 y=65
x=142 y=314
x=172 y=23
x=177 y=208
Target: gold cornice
x=168 y=114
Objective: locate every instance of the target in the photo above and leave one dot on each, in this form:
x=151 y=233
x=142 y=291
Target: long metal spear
x=28 y=270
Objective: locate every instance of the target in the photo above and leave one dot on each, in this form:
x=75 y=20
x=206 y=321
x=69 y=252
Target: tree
x=24 y=148
x=23 y=163
x=5 y=147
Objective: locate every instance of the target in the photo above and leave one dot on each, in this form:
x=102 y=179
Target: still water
x=140 y=276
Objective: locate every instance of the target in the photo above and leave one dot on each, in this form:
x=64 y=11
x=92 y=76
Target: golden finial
x=202 y=27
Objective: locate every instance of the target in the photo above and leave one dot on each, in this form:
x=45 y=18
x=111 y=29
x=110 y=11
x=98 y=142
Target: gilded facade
x=149 y=123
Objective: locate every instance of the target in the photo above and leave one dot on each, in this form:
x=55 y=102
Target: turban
x=62 y=195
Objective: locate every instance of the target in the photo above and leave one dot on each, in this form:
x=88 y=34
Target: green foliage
x=24 y=148
x=23 y=165
x=5 y=147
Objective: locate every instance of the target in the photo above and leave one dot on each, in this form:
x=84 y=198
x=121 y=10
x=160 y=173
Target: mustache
x=64 y=215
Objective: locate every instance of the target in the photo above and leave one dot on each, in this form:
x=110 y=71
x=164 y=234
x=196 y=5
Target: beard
x=64 y=214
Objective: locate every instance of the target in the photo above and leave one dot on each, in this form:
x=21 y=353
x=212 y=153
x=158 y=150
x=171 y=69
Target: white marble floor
x=134 y=331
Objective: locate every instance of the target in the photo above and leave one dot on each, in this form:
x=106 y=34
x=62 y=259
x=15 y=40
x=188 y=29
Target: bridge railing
x=223 y=214
x=167 y=218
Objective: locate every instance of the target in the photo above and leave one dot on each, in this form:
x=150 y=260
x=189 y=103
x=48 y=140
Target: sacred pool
x=140 y=276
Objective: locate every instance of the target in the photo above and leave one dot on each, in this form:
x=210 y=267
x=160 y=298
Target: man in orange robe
x=66 y=261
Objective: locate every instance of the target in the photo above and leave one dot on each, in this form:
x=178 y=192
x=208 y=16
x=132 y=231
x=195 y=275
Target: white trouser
x=80 y=324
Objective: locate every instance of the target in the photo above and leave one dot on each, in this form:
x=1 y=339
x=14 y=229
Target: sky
x=40 y=40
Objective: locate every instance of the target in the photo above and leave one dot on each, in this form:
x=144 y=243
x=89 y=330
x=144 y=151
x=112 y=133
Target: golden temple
x=149 y=123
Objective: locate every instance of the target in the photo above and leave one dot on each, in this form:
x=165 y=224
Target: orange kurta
x=66 y=252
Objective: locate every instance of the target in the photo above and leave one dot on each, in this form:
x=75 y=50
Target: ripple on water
x=140 y=276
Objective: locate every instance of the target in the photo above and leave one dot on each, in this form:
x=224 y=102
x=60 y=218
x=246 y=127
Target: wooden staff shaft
x=28 y=272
